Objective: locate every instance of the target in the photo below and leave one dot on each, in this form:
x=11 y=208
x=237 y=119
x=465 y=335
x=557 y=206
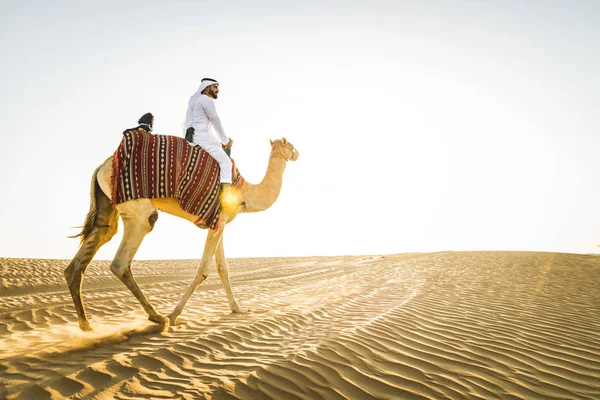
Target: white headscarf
x=188 y=115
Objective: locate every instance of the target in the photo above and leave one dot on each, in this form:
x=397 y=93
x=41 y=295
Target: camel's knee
x=68 y=272
x=120 y=269
x=222 y=269
x=202 y=273
x=76 y=268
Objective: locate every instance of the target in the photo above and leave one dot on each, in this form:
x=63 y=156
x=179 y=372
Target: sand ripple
x=488 y=325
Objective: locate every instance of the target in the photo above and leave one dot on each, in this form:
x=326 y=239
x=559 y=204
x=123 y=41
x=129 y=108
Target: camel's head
x=285 y=149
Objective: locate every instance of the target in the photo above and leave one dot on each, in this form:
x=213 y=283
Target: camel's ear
x=284 y=140
x=271 y=142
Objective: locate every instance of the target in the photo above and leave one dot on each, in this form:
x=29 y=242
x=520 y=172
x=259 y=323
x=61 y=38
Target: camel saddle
x=152 y=166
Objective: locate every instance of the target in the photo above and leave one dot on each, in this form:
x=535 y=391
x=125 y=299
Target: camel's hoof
x=85 y=326
x=162 y=322
x=173 y=319
x=159 y=319
x=240 y=310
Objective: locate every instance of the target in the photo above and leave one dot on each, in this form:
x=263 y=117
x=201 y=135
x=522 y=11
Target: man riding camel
x=200 y=117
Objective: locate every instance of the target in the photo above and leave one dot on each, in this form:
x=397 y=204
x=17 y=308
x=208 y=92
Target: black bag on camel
x=189 y=134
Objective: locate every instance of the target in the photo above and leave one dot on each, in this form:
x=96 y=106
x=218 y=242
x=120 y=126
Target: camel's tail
x=99 y=204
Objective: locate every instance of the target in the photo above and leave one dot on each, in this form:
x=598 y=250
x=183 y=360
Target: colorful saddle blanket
x=155 y=166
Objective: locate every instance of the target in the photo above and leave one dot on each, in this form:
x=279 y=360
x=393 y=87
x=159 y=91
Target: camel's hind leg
x=138 y=218
x=100 y=226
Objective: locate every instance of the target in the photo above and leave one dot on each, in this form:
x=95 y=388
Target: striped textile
x=152 y=166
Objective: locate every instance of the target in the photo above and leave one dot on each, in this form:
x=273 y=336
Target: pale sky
x=421 y=125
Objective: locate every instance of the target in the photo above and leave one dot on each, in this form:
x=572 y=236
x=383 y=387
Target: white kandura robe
x=204 y=116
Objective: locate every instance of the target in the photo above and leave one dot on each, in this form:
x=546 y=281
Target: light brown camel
x=138 y=218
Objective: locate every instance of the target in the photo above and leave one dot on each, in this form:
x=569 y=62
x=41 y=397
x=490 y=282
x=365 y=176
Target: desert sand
x=449 y=325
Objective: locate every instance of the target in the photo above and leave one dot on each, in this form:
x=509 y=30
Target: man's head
x=211 y=87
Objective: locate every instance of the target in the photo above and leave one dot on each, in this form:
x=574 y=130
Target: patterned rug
x=155 y=166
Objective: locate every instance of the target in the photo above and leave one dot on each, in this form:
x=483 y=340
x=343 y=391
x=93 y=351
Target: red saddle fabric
x=156 y=166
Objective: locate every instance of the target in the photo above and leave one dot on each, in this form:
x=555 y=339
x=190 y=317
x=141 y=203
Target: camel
x=139 y=217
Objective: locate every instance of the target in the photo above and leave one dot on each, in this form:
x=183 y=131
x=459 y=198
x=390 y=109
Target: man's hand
x=227 y=147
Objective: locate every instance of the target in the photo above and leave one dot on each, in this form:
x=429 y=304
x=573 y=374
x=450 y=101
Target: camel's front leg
x=212 y=241
x=223 y=270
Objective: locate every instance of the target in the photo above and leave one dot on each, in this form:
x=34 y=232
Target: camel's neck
x=262 y=196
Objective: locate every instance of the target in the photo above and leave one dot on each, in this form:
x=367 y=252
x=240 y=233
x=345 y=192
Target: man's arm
x=211 y=112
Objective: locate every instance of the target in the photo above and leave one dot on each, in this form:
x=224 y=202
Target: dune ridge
x=449 y=325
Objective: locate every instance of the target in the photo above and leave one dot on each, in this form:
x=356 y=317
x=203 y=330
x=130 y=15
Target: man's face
x=213 y=90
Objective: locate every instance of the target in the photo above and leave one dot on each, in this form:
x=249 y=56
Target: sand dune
x=480 y=325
